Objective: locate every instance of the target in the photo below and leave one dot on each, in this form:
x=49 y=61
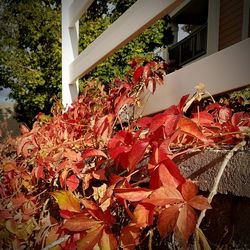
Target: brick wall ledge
x=203 y=166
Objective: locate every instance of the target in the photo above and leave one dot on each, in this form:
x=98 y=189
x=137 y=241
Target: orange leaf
x=188 y=190
x=199 y=202
x=80 y=222
x=18 y=201
x=67 y=201
x=167 y=220
x=132 y=194
x=164 y=196
x=107 y=241
x=188 y=126
x=93 y=152
x=130 y=237
x=91 y=238
x=143 y=215
x=186 y=223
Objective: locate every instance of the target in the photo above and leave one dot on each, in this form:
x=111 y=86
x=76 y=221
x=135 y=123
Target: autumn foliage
x=94 y=176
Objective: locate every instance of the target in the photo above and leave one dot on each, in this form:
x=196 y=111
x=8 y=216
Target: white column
x=213 y=26
x=70 y=37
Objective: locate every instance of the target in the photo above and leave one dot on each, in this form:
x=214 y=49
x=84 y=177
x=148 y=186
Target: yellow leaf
x=200 y=239
x=67 y=201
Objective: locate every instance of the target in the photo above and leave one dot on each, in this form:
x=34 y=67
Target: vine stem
x=218 y=178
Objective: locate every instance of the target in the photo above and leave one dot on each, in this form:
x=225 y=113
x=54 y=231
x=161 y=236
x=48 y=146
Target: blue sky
x=4 y=94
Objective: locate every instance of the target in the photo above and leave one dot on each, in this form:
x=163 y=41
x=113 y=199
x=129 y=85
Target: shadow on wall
x=8 y=123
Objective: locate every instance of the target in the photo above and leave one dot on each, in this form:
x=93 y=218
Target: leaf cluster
x=95 y=177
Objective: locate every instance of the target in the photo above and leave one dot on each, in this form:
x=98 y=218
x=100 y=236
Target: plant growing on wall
x=96 y=177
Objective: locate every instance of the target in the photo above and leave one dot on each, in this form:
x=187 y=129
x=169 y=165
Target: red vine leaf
x=93 y=152
x=188 y=190
x=164 y=196
x=80 y=222
x=188 y=126
x=162 y=177
x=186 y=223
x=72 y=183
x=132 y=194
x=167 y=220
x=91 y=238
x=143 y=215
x=199 y=202
x=108 y=240
x=130 y=236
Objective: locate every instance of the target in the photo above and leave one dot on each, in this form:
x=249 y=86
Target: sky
x=4 y=95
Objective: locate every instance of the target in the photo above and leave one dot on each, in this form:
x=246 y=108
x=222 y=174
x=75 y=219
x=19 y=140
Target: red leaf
x=158 y=121
x=186 y=223
x=18 y=201
x=93 y=152
x=167 y=220
x=188 y=190
x=130 y=236
x=66 y=214
x=241 y=119
x=38 y=172
x=138 y=74
x=199 y=202
x=100 y=174
x=164 y=196
x=162 y=177
x=237 y=118
x=102 y=127
x=144 y=122
x=67 y=201
x=80 y=222
x=182 y=103
x=136 y=154
x=91 y=238
x=96 y=211
x=4 y=214
x=143 y=215
x=170 y=124
x=174 y=170
x=188 y=126
x=72 y=183
x=203 y=118
x=132 y=194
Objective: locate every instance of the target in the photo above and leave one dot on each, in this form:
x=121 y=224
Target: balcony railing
x=190 y=48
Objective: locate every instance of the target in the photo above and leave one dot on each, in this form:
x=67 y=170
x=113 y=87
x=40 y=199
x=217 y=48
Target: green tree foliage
x=30 y=52
x=30 y=49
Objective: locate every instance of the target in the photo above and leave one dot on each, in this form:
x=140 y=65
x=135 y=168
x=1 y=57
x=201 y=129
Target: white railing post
x=70 y=37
